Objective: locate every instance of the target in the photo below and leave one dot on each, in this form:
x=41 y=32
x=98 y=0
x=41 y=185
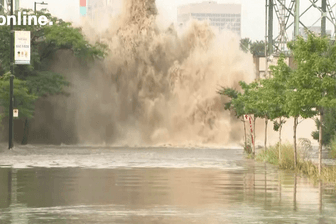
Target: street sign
x=15 y=113
x=22 y=47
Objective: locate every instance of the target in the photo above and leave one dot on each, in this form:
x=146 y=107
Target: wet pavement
x=71 y=184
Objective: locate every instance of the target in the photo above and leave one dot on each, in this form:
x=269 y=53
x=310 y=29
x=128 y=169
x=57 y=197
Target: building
x=221 y=16
x=314 y=29
x=261 y=65
x=93 y=9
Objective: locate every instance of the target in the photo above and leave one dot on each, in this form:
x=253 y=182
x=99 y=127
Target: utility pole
x=266 y=37
x=270 y=28
x=297 y=18
x=11 y=84
x=324 y=18
x=269 y=37
x=288 y=16
x=323 y=33
x=269 y=10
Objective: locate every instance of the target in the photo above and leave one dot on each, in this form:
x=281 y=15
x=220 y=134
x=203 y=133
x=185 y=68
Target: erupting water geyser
x=158 y=86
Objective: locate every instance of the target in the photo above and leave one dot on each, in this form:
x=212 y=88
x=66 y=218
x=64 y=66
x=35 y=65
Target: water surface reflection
x=254 y=193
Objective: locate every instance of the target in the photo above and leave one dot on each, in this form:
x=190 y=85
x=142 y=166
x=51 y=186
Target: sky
x=253 y=13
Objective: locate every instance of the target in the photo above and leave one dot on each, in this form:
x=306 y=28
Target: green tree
x=311 y=87
x=256 y=48
x=23 y=99
x=264 y=98
x=251 y=102
x=245 y=44
x=276 y=95
x=237 y=107
x=264 y=103
x=244 y=103
x=328 y=126
x=46 y=41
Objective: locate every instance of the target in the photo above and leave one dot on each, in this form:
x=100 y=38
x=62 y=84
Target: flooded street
x=154 y=185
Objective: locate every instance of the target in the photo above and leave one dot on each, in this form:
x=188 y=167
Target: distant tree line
x=256 y=48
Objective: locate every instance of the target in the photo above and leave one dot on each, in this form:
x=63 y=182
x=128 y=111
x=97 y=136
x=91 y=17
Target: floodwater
x=154 y=185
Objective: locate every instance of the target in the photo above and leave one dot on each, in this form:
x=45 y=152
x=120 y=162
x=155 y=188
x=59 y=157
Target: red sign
x=249 y=118
x=82 y=2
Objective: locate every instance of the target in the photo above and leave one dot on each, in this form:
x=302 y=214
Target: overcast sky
x=253 y=12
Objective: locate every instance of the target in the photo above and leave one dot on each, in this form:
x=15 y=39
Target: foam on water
x=114 y=158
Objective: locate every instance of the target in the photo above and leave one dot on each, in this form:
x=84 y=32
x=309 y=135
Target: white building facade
x=221 y=16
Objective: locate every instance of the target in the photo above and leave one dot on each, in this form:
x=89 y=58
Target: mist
x=159 y=83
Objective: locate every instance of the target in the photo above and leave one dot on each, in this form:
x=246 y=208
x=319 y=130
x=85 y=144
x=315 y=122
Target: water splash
x=158 y=86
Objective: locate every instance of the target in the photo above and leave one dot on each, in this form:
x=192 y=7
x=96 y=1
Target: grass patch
x=304 y=165
x=271 y=155
x=328 y=173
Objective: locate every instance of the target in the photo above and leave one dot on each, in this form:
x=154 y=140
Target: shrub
x=270 y=155
x=248 y=149
x=287 y=157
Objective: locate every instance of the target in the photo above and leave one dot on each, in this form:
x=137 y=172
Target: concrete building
x=315 y=29
x=221 y=16
x=260 y=65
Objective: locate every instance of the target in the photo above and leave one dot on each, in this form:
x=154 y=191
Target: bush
x=308 y=168
x=271 y=155
x=329 y=174
x=287 y=157
x=248 y=149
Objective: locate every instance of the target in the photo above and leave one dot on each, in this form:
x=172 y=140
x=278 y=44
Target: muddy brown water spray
x=159 y=85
